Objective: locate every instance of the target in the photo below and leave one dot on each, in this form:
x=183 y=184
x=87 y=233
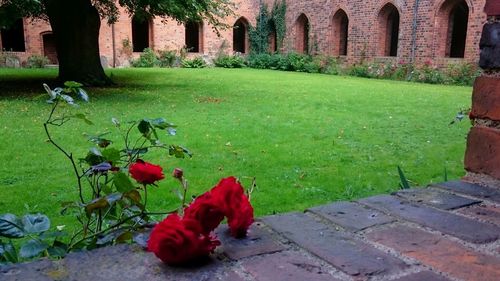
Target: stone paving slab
x=286 y=266
x=487 y=213
x=258 y=242
x=446 y=222
x=436 y=198
x=423 y=276
x=351 y=256
x=440 y=253
x=351 y=216
x=471 y=189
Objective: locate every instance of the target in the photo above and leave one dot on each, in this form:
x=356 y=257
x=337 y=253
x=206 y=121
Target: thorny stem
x=68 y=155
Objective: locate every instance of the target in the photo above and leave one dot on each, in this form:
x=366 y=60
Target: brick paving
x=448 y=231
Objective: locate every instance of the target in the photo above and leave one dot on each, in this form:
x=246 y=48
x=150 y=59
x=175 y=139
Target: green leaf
x=11 y=226
x=144 y=127
x=122 y=182
x=124 y=237
x=83 y=117
x=179 y=151
x=111 y=155
x=161 y=123
x=133 y=195
x=32 y=248
x=8 y=252
x=37 y=223
x=72 y=84
x=99 y=203
x=404 y=182
x=94 y=157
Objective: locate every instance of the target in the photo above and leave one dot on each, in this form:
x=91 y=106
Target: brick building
x=441 y=31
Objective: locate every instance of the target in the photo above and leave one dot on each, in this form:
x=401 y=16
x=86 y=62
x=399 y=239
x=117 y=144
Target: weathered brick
x=492 y=8
x=487 y=213
x=446 y=222
x=471 y=190
x=351 y=216
x=490 y=46
x=435 y=198
x=349 y=255
x=440 y=253
x=286 y=266
x=257 y=242
x=483 y=151
x=423 y=276
x=486 y=98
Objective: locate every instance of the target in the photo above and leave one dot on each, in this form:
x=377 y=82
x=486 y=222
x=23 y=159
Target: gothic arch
x=302 y=29
x=49 y=46
x=388 y=30
x=340 y=29
x=194 y=37
x=141 y=33
x=452 y=20
x=12 y=38
x=240 y=36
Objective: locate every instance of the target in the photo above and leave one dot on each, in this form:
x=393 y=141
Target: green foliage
x=167 y=58
x=227 y=61
x=35 y=238
x=147 y=58
x=197 y=62
x=37 y=61
x=359 y=70
x=278 y=16
x=404 y=184
x=462 y=73
x=267 y=23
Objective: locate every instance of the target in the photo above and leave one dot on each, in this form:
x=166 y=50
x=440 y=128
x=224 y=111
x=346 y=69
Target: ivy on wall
x=267 y=23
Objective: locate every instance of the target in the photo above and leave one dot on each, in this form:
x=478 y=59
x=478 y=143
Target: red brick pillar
x=482 y=157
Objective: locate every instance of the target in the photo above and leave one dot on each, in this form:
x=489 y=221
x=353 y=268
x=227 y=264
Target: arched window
x=388 y=19
x=193 y=39
x=453 y=17
x=13 y=37
x=240 y=36
x=273 y=37
x=49 y=47
x=302 y=34
x=340 y=33
x=140 y=34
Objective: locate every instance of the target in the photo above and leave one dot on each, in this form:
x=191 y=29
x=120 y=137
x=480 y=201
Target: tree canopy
x=76 y=23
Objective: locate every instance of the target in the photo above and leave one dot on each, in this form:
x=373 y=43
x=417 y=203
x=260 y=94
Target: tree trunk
x=75 y=25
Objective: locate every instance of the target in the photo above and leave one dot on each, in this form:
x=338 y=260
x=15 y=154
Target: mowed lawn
x=308 y=139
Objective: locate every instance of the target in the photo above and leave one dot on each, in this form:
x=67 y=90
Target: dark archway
x=457 y=30
x=340 y=33
x=240 y=36
x=49 y=47
x=140 y=34
x=273 y=37
x=389 y=30
x=193 y=37
x=13 y=37
x=302 y=34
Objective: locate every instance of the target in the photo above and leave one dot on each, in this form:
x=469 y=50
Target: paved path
x=447 y=231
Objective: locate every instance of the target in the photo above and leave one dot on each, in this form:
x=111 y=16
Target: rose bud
x=177 y=173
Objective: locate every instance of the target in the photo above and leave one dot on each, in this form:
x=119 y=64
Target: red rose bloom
x=146 y=173
x=177 y=241
x=230 y=196
x=205 y=210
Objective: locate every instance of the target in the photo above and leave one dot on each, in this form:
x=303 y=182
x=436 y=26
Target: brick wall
x=366 y=29
x=482 y=158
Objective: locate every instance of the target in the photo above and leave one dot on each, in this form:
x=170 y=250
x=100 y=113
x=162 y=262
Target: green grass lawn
x=308 y=139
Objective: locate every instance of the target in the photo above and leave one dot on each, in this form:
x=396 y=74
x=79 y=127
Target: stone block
x=490 y=46
x=436 y=198
x=486 y=98
x=349 y=255
x=440 y=253
x=423 y=276
x=464 y=228
x=483 y=151
x=351 y=216
x=471 y=189
x=489 y=213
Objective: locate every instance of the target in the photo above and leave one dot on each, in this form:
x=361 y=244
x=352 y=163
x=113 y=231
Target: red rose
x=231 y=198
x=146 y=173
x=177 y=241
x=177 y=173
x=205 y=210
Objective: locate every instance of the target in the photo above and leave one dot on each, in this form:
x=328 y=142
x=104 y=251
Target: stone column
x=482 y=157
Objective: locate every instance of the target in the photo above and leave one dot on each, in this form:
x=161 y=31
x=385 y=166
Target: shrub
x=147 y=58
x=462 y=73
x=229 y=61
x=360 y=70
x=167 y=58
x=37 y=61
x=428 y=74
x=261 y=61
x=299 y=62
x=197 y=62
